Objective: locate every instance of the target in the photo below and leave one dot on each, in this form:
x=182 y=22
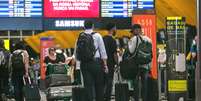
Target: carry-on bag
x=57 y=69
x=129 y=66
x=121 y=90
x=61 y=93
x=78 y=92
x=58 y=80
x=30 y=91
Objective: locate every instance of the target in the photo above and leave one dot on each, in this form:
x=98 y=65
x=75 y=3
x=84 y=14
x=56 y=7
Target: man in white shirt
x=133 y=43
x=93 y=71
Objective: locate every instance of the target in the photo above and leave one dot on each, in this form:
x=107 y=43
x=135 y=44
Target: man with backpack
x=111 y=49
x=4 y=69
x=137 y=45
x=92 y=60
x=20 y=65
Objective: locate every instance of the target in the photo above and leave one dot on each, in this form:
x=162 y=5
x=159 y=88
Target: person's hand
x=68 y=60
x=106 y=69
x=26 y=75
x=193 y=55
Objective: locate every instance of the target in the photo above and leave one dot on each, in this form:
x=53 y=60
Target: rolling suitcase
x=58 y=80
x=59 y=93
x=30 y=92
x=121 y=90
x=78 y=92
x=57 y=69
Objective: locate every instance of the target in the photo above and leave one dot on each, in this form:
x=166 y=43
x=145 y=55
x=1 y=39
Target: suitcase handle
x=24 y=81
x=57 y=64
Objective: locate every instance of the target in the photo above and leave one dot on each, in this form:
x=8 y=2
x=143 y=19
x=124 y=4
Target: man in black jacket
x=111 y=49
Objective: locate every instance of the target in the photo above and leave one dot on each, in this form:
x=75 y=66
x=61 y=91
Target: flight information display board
x=20 y=8
x=123 y=8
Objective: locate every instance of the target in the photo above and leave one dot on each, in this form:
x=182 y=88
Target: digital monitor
x=20 y=8
x=123 y=8
x=71 y=8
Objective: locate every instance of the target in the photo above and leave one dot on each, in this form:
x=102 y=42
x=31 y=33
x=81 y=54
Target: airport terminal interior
x=45 y=37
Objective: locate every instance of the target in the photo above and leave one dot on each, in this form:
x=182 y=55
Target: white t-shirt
x=133 y=41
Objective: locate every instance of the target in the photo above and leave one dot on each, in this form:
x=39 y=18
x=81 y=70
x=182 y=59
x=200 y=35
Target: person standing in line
x=136 y=39
x=111 y=49
x=93 y=70
x=20 y=65
x=4 y=70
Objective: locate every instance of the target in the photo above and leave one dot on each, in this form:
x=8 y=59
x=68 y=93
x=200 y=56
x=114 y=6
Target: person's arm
x=103 y=53
x=75 y=62
x=193 y=49
x=115 y=52
x=26 y=62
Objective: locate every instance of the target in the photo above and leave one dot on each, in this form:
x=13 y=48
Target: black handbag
x=30 y=91
x=129 y=68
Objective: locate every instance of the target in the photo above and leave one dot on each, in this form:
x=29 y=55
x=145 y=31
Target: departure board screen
x=20 y=8
x=123 y=8
x=71 y=8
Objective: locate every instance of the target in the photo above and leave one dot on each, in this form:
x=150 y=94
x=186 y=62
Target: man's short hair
x=110 y=26
x=20 y=45
x=135 y=26
x=88 y=24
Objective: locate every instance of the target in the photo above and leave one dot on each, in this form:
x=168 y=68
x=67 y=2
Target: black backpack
x=17 y=61
x=144 y=52
x=85 y=50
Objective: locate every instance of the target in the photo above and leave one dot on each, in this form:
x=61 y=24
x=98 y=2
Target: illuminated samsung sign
x=69 y=23
x=63 y=24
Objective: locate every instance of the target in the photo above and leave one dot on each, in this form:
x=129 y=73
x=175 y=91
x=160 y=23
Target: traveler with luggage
x=57 y=77
x=191 y=66
x=4 y=69
x=111 y=49
x=51 y=57
x=20 y=65
x=91 y=54
x=134 y=46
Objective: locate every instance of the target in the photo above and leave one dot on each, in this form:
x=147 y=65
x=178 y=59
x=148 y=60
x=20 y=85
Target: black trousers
x=108 y=80
x=93 y=76
x=4 y=85
x=141 y=85
x=18 y=86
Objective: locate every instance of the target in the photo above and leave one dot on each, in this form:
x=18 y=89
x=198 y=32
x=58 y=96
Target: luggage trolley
x=59 y=83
